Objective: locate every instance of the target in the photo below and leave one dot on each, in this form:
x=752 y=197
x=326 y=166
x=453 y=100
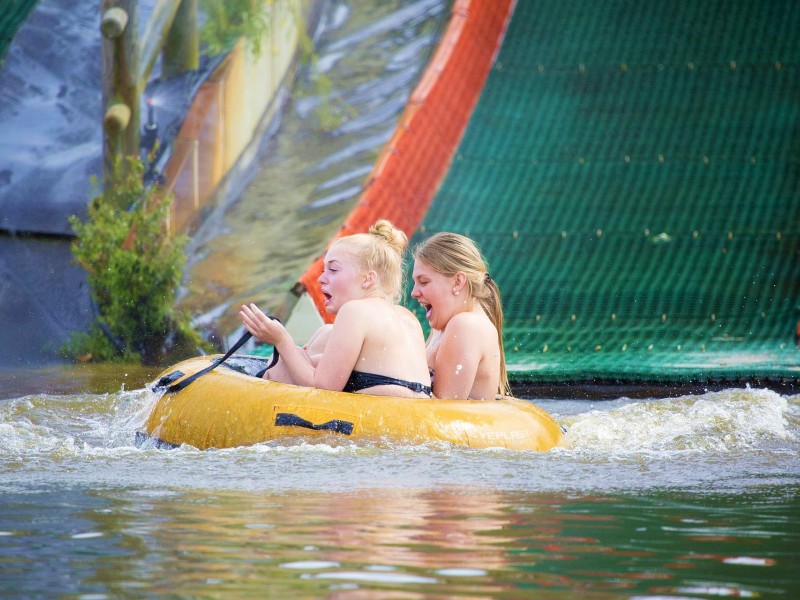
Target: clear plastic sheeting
x=50 y=147
x=50 y=116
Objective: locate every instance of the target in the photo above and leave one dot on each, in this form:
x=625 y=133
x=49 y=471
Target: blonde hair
x=381 y=250
x=450 y=253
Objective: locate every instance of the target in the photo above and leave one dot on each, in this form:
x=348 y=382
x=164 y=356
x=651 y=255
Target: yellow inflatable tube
x=230 y=407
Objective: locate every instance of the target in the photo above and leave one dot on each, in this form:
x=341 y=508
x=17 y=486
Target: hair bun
x=391 y=234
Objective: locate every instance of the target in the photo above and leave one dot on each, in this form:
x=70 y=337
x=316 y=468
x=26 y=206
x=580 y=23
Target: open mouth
x=428 y=308
x=326 y=296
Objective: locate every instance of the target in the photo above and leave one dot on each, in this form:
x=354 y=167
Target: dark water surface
x=694 y=497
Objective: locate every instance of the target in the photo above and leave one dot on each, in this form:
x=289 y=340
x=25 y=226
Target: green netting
x=12 y=14
x=631 y=173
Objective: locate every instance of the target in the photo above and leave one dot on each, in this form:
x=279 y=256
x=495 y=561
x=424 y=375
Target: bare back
x=374 y=336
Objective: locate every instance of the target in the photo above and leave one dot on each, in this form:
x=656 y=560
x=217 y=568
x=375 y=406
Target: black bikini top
x=360 y=381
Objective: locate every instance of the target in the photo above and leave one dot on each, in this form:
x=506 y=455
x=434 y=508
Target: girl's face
x=341 y=279
x=434 y=292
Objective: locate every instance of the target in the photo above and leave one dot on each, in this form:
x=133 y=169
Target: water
x=694 y=497
x=341 y=113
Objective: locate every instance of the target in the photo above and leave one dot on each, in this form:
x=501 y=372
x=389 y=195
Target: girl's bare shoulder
x=402 y=311
x=469 y=321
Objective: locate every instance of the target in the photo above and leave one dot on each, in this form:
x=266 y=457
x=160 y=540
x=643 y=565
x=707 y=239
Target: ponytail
x=493 y=306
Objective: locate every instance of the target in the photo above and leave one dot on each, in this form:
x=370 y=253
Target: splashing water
x=721 y=436
x=719 y=421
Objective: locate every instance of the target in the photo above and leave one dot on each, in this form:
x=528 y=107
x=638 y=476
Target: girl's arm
x=269 y=331
x=457 y=361
x=338 y=359
x=343 y=348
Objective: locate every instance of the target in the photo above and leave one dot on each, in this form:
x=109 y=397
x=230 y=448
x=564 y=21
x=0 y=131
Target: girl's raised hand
x=262 y=327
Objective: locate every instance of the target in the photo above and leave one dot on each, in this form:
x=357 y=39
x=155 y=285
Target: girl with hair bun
x=373 y=345
x=462 y=304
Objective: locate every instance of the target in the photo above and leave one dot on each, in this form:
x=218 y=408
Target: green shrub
x=134 y=269
x=228 y=20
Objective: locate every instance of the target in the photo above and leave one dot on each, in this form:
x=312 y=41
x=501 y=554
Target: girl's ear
x=370 y=278
x=459 y=281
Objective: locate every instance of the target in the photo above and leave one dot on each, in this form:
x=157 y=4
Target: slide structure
x=630 y=170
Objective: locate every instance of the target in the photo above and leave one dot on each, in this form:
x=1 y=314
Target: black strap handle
x=177 y=387
x=292 y=420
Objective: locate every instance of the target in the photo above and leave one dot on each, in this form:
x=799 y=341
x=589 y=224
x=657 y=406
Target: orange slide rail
x=414 y=162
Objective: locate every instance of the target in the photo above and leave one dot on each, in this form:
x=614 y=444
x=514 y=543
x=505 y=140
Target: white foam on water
x=717 y=421
x=374 y=577
x=750 y=561
x=722 y=440
x=310 y=564
x=455 y=572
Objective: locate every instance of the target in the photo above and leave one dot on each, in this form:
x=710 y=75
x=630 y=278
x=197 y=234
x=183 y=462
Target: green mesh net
x=631 y=174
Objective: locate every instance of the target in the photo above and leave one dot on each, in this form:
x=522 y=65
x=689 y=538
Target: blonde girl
x=373 y=346
x=463 y=307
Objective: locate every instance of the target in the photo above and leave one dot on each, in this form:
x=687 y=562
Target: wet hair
x=381 y=250
x=450 y=253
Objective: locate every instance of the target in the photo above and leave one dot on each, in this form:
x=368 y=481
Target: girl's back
x=391 y=340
